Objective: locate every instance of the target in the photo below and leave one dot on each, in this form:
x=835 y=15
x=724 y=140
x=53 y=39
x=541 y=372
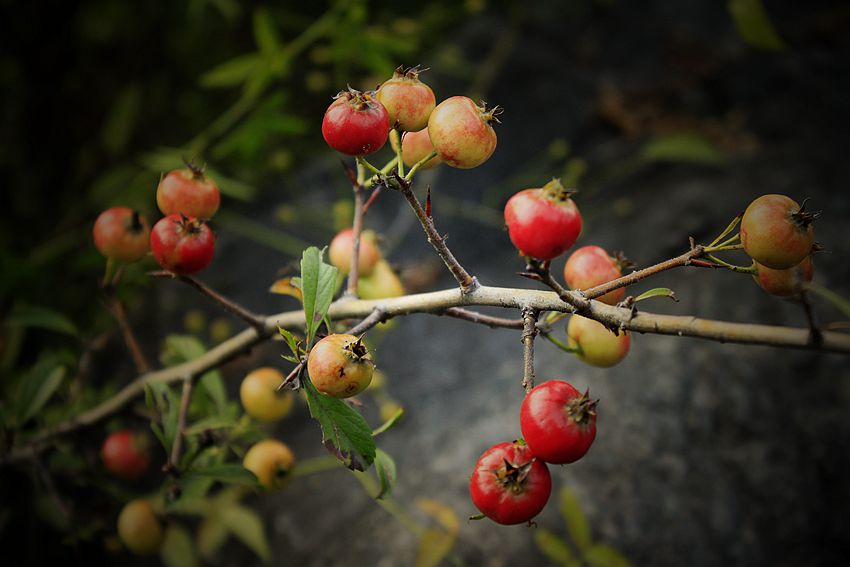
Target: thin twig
x=117 y=308
x=529 y=331
x=378 y=315
x=173 y=464
x=810 y=318
x=489 y=320
x=356 y=229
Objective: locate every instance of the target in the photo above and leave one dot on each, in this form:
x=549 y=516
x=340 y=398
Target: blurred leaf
x=555 y=548
x=121 y=121
x=754 y=25
x=260 y=233
x=577 y=525
x=177 y=548
x=167 y=405
x=229 y=473
x=247 y=527
x=212 y=534
x=178 y=349
x=254 y=134
x=389 y=423
x=284 y=286
x=682 y=148
x=344 y=431
x=213 y=384
x=264 y=32
x=434 y=545
x=386 y=470
x=657 y=292
x=604 y=556
x=37 y=316
x=211 y=422
x=317 y=284
x=232 y=72
x=445 y=515
x=37 y=386
x=836 y=300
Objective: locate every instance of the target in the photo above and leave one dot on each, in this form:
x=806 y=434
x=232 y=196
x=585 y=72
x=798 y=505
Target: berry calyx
x=409 y=101
x=356 y=123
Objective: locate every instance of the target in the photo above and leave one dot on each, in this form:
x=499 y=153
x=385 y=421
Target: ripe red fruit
x=461 y=132
x=408 y=100
x=356 y=124
x=341 y=248
x=590 y=266
x=416 y=146
x=785 y=283
x=183 y=245
x=543 y=223
x=189 y=192
x=558 y=422
x=777 y=232
x=339 y=366
x=122 y=234
x=126 y=454
x=597 y=345
x=509 y=484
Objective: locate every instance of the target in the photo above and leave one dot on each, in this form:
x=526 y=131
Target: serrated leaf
x=247 y=527
x=682 y=148
x=291 y=341
x=36 y=387
x=212 y=534
x=575 y=519
x=177 y=548
x=433 y=547
x=390 y=423
x=212 y=422
x=264 y=32
x=228 y=473
x=555 y=548
x=604 y=556
x=657 y=292
x=317 y=285
x=345 y=433
x=754 y=25
x=37 y=316
x=386 y=470
x=232 y=72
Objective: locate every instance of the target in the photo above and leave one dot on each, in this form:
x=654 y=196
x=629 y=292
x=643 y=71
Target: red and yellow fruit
x=189 y=192
x=543 y=222
x=139 y=528
x=270 y=461
x=409 y=101
x=777 y=232
x=595 y=343
x=590 y=266
x=342 y=246
x=122 y=234
x=261 y=397
x=462 y=132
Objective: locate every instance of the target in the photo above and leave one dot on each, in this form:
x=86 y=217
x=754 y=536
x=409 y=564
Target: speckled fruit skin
x=500 y=499
x=461 y=133
x=339 y=366
x=183 y=245
x=126 y=454
x=785 y=283
x=417 y=146
x=260 y=396
x=139 y=529
x=590 y=266
x=190 y=192
x=771 y=235
x=356 y=124
x=558 y=422
x=599 y=346
x=341 y=246
x=121 y=234
x=270 y=461
x=544 y=222
x=409 y=101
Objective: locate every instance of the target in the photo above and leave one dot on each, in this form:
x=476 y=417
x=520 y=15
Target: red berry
x=597 y=345
x=341 y=248
x=509 y=484
x=558 y=422
x=339 y=366
x=356 y=124
x=126 y=454
x=543 y=223
x=417 y=146
x=189 y=192
x=122 y=234
x=590 y=266
x=408 y=100
x=776 y=232
x=461 y=132
x=785 y=283
x=183 y=245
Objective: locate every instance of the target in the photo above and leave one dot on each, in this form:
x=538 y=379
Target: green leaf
x=211 y=422
x=177 y=548
x=167 y=404
x=27 y=316
x=228 y=473
x=604 y=556
x=37 y=386
x=178 y=349
x=317 y=285
x=682 y=148
x=390 y=423
x=344 y=431
x=213 y=384
x=291 y=341
x=264 y=32
x=212 y=534
x=121 y=120
x=754 y=25
x=386 y=471
x=657 y=292
x=577 y=525
x=555 y=548
x=232 y=72
x=247 y=527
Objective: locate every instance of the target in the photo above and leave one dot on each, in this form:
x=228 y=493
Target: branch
x=356 y=229
x=172 y=465
x=529 y=331
x=117 y=308
x=482 y=319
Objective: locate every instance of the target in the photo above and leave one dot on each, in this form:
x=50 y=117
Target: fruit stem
x=563 y=346
x=739 y=269
x=419 y=164
x=374 y=170
x=356 y=229
x=396 y=138
x=726 y=231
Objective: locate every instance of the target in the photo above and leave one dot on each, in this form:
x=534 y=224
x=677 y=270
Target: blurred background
x=669 y=117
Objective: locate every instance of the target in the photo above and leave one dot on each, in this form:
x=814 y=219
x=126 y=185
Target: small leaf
x=232 y=72
x=345 y=433
x=228 y=473
x=390 y=423
x=555 y=548
x=604 y=556
x=177 y=548
x=247 y=527
x=213 y=384
x=317 y=284
x=754 y=25
x=160 y=436
x=433 y=547
x=284 y=286
x=168 y=407
x=682 y=148
x=657 y=292
x=264 y=32
x=211 y=422
x=577 y=525
x=291 y=341
x=212 y=534
x=36 y=388
x=386 y=471
x=25 y=316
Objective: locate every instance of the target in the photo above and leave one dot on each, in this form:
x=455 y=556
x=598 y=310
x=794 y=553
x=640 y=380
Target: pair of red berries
x=511 y=482
x=181 y=242
x=461 y=132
